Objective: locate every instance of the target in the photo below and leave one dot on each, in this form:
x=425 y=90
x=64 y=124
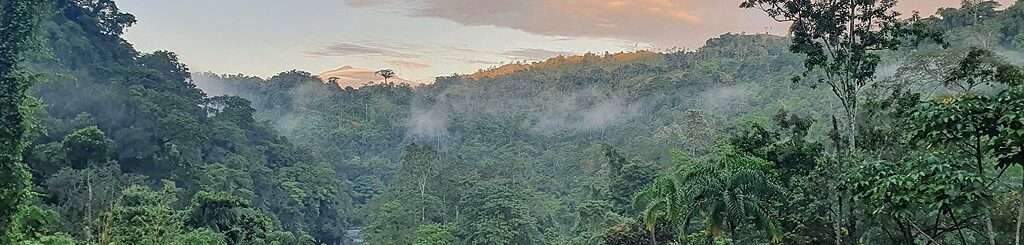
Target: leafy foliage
x=712 y=145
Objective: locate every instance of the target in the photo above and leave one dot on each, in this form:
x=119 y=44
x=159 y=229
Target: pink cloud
x=665 y=23
x=412 y=65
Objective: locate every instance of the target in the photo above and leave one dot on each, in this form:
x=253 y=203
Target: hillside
x=133 y=148
x=119 y=130
x=547 y=128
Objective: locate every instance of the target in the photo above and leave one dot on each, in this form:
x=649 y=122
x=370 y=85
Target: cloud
x=665 y=23
x=357 y=77
x=341 y=49
x=656 y=21
x=534 y=54
x=401 y=54
x=480 y=61
x=412 y=65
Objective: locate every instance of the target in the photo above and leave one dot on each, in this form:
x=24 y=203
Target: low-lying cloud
x=583 y=111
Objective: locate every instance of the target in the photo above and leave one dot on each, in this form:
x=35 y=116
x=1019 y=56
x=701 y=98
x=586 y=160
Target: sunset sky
x=421 y=39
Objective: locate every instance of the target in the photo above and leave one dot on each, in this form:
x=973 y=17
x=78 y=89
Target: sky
x=422 y=39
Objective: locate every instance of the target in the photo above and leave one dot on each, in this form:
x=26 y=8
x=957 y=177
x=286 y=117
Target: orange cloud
x=665 y=23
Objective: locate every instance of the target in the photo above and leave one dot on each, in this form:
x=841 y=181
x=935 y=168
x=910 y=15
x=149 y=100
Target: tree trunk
x=988 y=228
x=88 y=185
x=654 y=239
x=423 y=194
x=1020 y=211
x=851 y=115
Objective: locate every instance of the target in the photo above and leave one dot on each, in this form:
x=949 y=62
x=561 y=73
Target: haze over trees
x=916 y=139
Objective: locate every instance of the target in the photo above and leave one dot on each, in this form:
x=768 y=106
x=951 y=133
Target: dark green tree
x=982 y=126
x=386 y=74
x=229 y=215
x=497 y=214
x=625 y=178
x=840 y=39
x=17 y=27
x=87 y=147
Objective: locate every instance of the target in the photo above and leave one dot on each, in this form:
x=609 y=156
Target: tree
x=230 y=216
x=87 y=147
x=104 y=14
x=433 y=234
x=786 y=145
x=695 y=131
x=662 y=201
x=593 y=218
x=83 y=196
x=233 y=109
x=1010 y=136
x=420 y=165
x=34 y=225
x=17 y=27
x=839 y=38
x=979 y=125
x=633 y=232
x=393 y=223
x=201 y=237
x=933 y=197
x=142 y=216
x=497 y=214
x=625 y=178
x=386 y=74
x=728 y=190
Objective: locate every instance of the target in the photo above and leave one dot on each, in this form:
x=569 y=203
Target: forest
x=862 y=126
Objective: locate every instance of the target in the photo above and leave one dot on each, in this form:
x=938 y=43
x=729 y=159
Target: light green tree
x=144 y=217
x=433 y=234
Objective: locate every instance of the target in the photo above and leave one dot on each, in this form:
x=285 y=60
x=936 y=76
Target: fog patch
x=583 y=112
x=429 y=125
x=1012 y=56
x=213 y=85
x=727 y=100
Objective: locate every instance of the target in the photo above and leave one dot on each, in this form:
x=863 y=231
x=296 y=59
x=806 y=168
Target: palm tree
x=661 y=201
x=729 y=189
x=726 y=191
x=385 y=73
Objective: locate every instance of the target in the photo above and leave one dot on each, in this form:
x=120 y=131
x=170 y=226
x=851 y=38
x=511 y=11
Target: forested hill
x=569 y=139
x=134 y=148
x=123 y=137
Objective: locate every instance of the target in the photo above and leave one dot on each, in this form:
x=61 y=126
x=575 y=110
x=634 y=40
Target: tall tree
x=839 y=39
x=386 y=74
x=17 y=24
x=420 y=167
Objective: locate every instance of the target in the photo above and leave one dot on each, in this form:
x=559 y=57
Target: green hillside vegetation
x=718 y=145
